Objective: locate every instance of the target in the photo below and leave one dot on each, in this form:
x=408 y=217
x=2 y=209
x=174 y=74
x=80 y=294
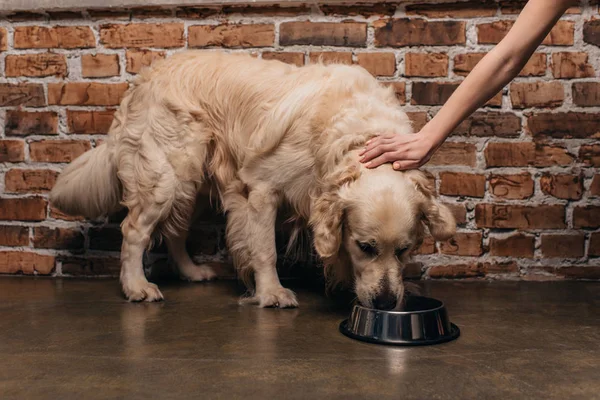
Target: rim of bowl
x=442 y=305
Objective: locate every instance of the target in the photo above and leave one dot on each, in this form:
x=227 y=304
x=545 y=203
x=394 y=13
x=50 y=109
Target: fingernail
x=368 y=141
x=396 y=165
x=368 y=164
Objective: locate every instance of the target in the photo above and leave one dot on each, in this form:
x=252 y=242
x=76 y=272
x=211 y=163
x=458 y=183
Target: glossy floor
x=78 y=339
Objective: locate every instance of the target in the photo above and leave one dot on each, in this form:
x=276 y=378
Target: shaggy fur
x=262 y=133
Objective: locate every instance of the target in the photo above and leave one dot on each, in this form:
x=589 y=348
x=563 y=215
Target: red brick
x=418 y=32
x=567 y=65
x=516 y=6
x=412 y=270
x=89 y=122
x=378 y=64
x=469 y=9
x=570 y=125
x=418 y=119
x=24 y=209
x=523 y=154
x=12 y=262
x=426 y=247
x=591 y=32
x=586 y=217
x=512 y=187
x=60 y=15
x=595 y=186
x=537 y=94
x=563 y=246
x=330 y=57
x=138 y=59
x=91 y=266
x=462 y=184
x=99 y=65
x=12 y=151
x=459 y=211
x=57 y=151
x=86 y=93
x=117 y=14
x=426 y=64
x=399 y=89
x=23 y=123
x=294 y=58
x=463 y=244
x=11 y=235
x=29 y=180
x=231 y=36
x=504 y=267
x=197 y=12
x=22 y=94
x=3 y=39
x=36 y=65
x=349 y=34
x=493 y=32
x=57 y=238
x=574 y=272
x=351 y=10
x=594 y=245
x=152 y=12
x=589 y=155
x=281 y=9
x=166 y=35
x=432 y=93
x=492 y=123
x=520 y=217
x=43 y=37
x=455 y=153
x=586 y=94
x=456 y=271
x=516 y=246
x=57 y=214
x=562 y=186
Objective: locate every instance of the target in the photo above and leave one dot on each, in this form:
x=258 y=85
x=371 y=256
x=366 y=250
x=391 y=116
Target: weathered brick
x=459 y=211
x=330 y=57
x=323 y=33
x=573 y=272
x=462 y=184
x=562 y=34
x=454 y=153
x=106 y=238
x=418 y=119
x=23 y=209
x=86 y=93
x=43 y=37
x=23 y=123
x=62 y=15
x=463 y=244
x=13 y=262
x=151 y=12
x=586 y=94
x=19 y=180
x=111 y=13
x=591 y=32
x=432 y=93
x=294 y=58
x=468 y=9
x=36 y=65
x=57 y=151
x=22 y=94
x=138 y=59
x=586 y=217
x=89 y=122
x=166 y=35
x=57 y=238
x=457 y=271
x=564 y=125
x=563 y=246
x=99 y=65
x=517 y=246
x=589 y=155
x=595 y=186
x=566 y=65
x=197 y=12
x=367 y=10
x=12 y=151
x=562 y=186
x=11 y=235
x=537 y=94
x=504 y=267
x=231 y=36
x=512 y=187
x=427 y=246
x=594 y=245
x=399 y=89
x=3 y=39
x=418 y=32
x=520 y=217
x=25 y=16
x=536 y=66
x=378 y=64
x=57 y=214
x=271 y=10
x=523 y=154
x=412 y=270
x=91 y=266
x=516 y=6
x=497 y=124
x=426 y=64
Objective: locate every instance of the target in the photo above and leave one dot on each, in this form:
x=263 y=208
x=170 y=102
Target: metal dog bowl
x=423 y=321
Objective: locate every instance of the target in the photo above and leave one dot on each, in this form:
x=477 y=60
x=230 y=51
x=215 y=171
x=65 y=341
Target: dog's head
x=366 y=223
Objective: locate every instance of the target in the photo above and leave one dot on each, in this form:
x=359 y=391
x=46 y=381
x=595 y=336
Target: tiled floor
x=80 y=340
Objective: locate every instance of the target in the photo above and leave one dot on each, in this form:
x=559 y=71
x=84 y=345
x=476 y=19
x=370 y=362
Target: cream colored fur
x=263 y=133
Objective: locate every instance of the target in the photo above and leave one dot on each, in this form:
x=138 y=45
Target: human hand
x=405 y=151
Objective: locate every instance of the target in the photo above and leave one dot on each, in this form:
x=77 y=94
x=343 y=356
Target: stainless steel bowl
x=423 y=321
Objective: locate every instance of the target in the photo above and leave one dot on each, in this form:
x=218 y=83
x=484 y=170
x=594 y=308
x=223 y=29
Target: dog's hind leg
x=187 y=268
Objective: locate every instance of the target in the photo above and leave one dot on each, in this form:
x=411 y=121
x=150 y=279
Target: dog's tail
x=89 y=186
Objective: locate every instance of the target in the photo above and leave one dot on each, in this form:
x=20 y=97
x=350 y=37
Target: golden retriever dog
x=263 y=134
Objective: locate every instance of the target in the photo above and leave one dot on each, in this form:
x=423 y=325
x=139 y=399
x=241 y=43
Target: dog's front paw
x=279 y=297
x=142 y=290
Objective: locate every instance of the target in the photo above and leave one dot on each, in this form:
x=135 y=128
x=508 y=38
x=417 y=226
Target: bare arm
x=492 y=73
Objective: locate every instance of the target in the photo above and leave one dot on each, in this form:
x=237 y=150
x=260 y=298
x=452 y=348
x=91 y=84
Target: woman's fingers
x=377 y=151
x=402 y=165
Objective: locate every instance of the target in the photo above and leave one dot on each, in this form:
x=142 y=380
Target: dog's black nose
x=385 y=301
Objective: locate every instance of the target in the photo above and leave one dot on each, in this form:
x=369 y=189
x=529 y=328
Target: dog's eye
x=369 y=248
x=400 y=252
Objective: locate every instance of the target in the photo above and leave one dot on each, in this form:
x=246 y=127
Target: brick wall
x=521 y=174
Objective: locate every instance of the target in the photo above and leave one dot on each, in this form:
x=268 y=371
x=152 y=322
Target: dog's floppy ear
x=327 y=213
x=438 y=218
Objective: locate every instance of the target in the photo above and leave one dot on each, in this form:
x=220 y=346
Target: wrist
x=432 y=137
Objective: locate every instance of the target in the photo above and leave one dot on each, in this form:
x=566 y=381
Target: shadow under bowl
x=423 y=321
